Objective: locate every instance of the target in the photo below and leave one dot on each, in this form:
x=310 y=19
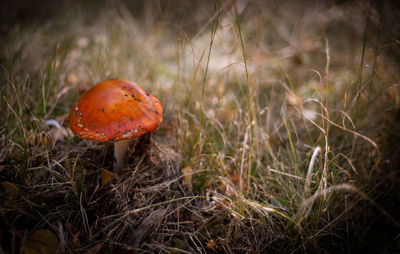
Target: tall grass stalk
x=360 y=82
x=214 y=28
x=252 y=120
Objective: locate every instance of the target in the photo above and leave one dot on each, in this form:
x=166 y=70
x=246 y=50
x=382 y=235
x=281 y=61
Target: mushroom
x=115 y=110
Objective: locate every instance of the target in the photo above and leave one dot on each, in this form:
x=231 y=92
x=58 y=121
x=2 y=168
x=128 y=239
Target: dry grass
x=279 y=129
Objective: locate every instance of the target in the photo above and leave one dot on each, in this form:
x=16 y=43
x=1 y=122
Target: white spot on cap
x=127 y=135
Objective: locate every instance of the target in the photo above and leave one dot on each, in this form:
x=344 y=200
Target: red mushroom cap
x=115 y=110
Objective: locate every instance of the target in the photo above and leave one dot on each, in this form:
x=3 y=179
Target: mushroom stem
x=120 y=151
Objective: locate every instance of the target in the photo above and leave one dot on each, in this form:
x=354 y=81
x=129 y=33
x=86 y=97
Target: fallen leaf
x=68 y=226
x=106 y=177
x=235 y=178
x=187 y=177
x=9 y=189
x=42 y=241
x=212 y=245
x=43 y=140
x=75 y=243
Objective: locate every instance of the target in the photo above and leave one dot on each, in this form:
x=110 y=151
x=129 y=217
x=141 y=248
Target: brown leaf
x=106 y=177
x=75 y=243
x=9 y=189
x=235 y=178
x=42 y=241
x=212 y=245
x=187 y=177
x=68 y=226
x=43 y=140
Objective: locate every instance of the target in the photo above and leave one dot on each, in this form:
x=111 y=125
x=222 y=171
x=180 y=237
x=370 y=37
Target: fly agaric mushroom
x=115 y=110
